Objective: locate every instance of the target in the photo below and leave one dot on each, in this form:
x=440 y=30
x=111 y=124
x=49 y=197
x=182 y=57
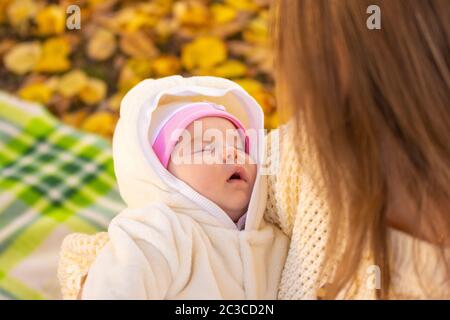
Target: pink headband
x=165 y=141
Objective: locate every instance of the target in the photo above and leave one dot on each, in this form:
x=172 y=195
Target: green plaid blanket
x=54 y=180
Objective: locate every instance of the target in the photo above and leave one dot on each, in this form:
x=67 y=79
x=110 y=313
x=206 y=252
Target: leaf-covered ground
x=81 y=75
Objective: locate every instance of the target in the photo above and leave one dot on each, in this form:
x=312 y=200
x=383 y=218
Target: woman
x=363 y=187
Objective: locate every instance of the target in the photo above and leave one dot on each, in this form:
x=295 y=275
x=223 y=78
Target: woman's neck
x=427 y=225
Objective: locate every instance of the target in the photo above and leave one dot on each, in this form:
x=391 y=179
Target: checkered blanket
x=54 y=180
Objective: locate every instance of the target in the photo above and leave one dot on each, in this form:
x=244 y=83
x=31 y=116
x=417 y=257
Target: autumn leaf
x=54 y=57
x=250 y=85
x=132 y=19
x=38 y=92
x=102 y=123
x=271 y=121
x=230 y=69
x=166 y=65
x=4 y=4
x=72 y=83
x=204 y=52
x=51 y=20
x=257 y=30
x=256 y=90
x=164 y=29
x=23 y=57
x=5 y=46
x=75 y=119
x=93 y=92
x=115 y=100
x=192 y=13
x=244 y=5
x=19 y=12
x=222 y=13
x=102 y=45
x=140 y=67
x=134 y=71
x=138 y=45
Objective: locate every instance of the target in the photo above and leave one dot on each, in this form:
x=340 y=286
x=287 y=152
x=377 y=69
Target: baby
x=218 y=167
x=187 y=156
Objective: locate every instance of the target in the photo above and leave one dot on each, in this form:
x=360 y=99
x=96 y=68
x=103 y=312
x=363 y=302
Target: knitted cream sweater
x=296 y=204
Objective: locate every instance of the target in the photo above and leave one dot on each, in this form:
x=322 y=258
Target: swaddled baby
x=187 y=155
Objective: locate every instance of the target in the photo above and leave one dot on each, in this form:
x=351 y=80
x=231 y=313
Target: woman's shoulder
x=418 y=268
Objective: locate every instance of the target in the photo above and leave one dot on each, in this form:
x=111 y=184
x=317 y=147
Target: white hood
x=141 y=177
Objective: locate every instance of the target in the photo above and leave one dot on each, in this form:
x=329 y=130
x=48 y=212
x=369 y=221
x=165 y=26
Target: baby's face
x=216 y=167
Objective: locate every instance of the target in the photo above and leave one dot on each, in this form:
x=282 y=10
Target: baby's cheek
x=206 y=178
x=253 y=172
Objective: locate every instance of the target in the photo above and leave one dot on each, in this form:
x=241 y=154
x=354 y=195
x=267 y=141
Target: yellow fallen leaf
x=23 y=57
x=266 y=100
x=250 y=85
x=140 y=67
x=132 y=72
x=191 y=13
x=164 y=28
x=5 y=46
x=140 y=21
x=258 y=29
x=37 y=92
x=138 y=45
x=114 y=101
x=52 y=82
x=19 y=12
x=203 y=52
x=259 y=92
x=157 y=8
x=93 y=92
x=4 y=4
x=102 y=45
x=74 y=119
x=223 y=13
x=51 y=20
x=132 y=19
x=102 y=123
x=166 y=65
x=271 y=121
x=128 y=79
x=72 y=83
x=243 y=5
x=54 y=57
x=119 y=21
x=230 y=69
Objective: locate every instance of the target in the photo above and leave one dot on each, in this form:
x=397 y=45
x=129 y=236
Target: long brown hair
x=375 y=106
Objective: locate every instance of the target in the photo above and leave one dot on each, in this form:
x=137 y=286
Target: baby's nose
x=229 y=154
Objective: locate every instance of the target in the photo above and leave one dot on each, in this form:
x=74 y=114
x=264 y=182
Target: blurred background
x=81 y=75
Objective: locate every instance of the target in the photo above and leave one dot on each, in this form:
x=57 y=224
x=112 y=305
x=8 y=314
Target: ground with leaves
x=81 y=75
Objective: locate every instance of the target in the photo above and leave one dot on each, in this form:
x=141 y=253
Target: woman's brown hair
x=375 y=106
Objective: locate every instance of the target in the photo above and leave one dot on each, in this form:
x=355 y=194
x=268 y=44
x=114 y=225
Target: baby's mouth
x=238 y=174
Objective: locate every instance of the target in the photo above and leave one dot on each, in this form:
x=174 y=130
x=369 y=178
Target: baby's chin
x=235 y=216
x=236 y=211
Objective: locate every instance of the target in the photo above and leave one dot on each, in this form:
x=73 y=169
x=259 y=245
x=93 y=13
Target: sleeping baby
x=188 y=160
